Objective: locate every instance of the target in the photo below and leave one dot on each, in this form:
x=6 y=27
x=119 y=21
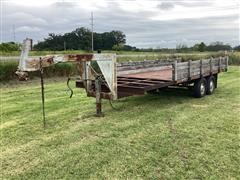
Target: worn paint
x=106 y=62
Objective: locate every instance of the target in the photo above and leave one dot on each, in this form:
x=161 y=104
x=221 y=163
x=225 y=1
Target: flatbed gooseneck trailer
x=103 y=78
x=139 y=78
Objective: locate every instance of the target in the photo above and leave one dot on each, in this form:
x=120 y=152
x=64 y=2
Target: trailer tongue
x=108 y=79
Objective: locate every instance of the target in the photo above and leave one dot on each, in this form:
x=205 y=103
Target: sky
x=146 y=23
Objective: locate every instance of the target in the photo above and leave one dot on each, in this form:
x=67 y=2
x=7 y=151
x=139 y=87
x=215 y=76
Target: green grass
x=8 y=69
x=165 y=136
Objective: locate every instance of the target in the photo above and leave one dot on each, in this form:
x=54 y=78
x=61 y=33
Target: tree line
x=80 y=39
x=9 y=47
x=201 y=47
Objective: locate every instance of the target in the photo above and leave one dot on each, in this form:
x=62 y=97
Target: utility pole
x=92 y=29
x=14 y=34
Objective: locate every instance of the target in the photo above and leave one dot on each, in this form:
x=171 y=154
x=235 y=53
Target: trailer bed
x=137 y=78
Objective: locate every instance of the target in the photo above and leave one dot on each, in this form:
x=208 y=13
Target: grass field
x=165 y=136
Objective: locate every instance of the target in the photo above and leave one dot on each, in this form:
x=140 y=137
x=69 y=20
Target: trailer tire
x=210 y=85
x=199 y=89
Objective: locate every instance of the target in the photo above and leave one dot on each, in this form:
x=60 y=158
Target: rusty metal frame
x=106 y=63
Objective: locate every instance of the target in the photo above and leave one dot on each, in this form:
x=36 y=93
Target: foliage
x=181 y=48
x=215 y=46
x=234 y=58
x=9 y=47
x=80 y=39
x=202 y=47
x=8 y=69
x=218 y=46
x=165 y=136
x=118 y=47
x=237 y=48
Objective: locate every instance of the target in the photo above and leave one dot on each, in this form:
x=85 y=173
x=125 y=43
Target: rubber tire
x=209 y=80
x=197 y=88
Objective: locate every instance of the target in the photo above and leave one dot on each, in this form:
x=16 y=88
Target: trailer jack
x=98 y=83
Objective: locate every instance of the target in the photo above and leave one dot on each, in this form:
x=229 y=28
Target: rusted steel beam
x=128 y=88
x=131 y=89
x=125 y=94
x=79 y=57
x=157 y=86
x=80 y=84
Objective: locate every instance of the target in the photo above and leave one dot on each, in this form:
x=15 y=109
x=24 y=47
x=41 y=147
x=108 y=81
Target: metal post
x=98 y=97
x=14 y=34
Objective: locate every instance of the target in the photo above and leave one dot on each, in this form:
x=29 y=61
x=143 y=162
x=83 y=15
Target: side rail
x=142 y=66
x=187 y=71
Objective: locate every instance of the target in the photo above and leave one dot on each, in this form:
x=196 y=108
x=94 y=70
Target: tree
x=237 y=48
x=201 y=47
x=118 y=47
x=118 y=37
x=80 y=39
x=9 y=46
x=218 y=46
x=181 y=48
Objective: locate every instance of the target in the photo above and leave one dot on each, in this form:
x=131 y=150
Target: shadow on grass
x=161 y=99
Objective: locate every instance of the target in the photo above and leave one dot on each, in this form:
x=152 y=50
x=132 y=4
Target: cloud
x=28 y=29
x=64 y=4
x=25 y=18
x=163 y=23
x=165 y=5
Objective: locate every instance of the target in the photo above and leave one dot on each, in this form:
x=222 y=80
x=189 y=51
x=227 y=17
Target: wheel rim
x=211 y=86
x=202 y=89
